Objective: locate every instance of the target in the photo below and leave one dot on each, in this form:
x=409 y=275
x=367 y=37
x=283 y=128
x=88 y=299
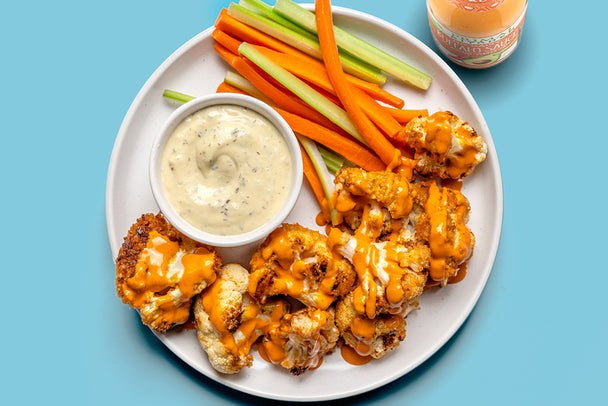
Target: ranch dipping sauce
x=226 y=169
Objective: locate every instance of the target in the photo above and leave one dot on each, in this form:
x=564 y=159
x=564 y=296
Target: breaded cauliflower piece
x=442 y=225
x=301 y=340
x=391 y=275
x=444 y=145
x=391 y=265
x=390 y=190
x=228 y=321
x=369 y=337
x=379 y=198
x=295 y=261
x=159 y=271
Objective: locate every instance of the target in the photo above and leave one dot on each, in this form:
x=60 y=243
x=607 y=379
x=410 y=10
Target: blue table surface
x=70 y=71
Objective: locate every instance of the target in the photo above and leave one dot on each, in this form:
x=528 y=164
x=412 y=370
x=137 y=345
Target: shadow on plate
x=239 y=398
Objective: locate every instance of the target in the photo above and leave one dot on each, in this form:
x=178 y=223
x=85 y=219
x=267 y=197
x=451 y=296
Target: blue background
x=69 y=72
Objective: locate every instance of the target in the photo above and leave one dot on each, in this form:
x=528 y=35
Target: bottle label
x=476 y=52
x=477 y=5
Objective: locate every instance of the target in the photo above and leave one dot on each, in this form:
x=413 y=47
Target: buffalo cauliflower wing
x=391 y=276
x=390 y=190
x=391 y=265
x=159 y=271
x=295 y=261
x=442 y=225
x=380 y=199
x=301 y=340
x=228 y=321
x=369 y=337
x=444 y=145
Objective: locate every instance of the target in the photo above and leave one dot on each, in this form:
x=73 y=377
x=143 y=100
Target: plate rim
x=455 y=325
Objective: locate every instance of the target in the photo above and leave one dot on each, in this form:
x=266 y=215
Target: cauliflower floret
x=444 y=145
x=391 y=265
x=295 y=261
x=442 y=225
x=376 y=200
x=302 y=339
x=369 y=337
x=228 y=321
x=389 y=190
x=391 y=275
x=159 y=271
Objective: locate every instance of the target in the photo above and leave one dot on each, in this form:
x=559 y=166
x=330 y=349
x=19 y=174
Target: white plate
x=195 y=69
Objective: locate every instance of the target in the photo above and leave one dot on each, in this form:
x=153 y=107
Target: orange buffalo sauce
x=277 y=340
x=198 y=266
x=273 y=350
x=350 y=355
x=459 y=246
x=251 y=329
x=402 y=164
x=376 y=264
x=252 y=325
x=363 y=329
x=292 y=270
x=439 y=132
x=453 y=140
x=154 y=277
x=477 y=33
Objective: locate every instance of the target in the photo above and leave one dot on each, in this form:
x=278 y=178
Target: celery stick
x=177 y=96
x=326 y=179
x=267 y=11
x=309 y=95
x=333 y=160
x=356 y=46
x=306 y=43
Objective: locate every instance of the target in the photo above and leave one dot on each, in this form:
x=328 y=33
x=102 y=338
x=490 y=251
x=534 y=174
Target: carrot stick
x=243 y=32
x=377 y=113
x=404 y=116
x=378 y=93
x=278 y=95
x=344 y=146
x=315 y=183
x=229 y=42
x=390 y=155
x=314 y=72
x=228 y=88
x=225 y=53
x=338 y=142
x=239 y=82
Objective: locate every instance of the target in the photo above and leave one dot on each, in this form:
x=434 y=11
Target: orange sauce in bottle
x=477 y=33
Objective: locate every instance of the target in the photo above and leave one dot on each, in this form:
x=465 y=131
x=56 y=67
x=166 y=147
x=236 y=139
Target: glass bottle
x=477 y=33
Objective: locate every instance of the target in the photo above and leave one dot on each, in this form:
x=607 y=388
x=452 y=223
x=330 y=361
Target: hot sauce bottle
x=477 y=33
